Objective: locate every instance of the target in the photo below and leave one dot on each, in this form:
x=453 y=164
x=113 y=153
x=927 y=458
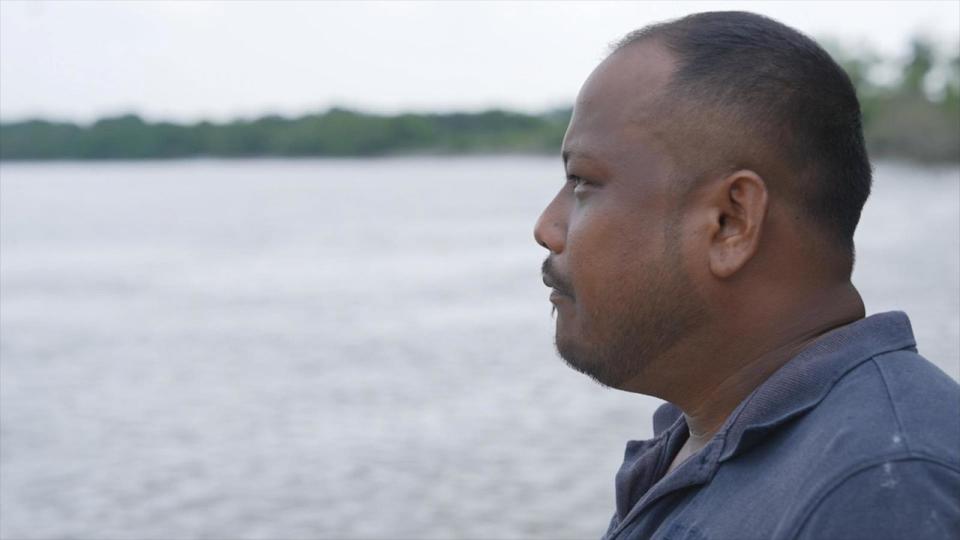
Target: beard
x=639 y=323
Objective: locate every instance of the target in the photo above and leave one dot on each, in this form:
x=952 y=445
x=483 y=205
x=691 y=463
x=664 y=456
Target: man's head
x=715 y=164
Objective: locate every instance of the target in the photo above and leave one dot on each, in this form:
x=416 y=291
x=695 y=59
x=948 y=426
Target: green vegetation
x=914 y=116
x=337 y=132
x=917 y=115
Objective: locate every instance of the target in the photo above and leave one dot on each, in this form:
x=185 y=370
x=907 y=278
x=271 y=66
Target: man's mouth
x=552 y=284
x=560 y=288
x=556 y=296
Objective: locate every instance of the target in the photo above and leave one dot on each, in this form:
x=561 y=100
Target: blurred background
x=267 y=269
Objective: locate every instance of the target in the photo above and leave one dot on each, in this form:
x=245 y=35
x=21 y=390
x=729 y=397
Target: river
x=335 y=348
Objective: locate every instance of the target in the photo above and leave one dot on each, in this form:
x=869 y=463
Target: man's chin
x=593 y=365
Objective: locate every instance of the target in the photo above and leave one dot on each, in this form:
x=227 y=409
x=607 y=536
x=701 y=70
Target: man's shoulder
x=891 y=407
x=884 y=437
x=896 y=403
x=895 y=450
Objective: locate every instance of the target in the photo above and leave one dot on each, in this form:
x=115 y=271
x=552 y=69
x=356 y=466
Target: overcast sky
x=220 y=60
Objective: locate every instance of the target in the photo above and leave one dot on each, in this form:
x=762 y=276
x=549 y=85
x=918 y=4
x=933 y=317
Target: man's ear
x=739 y=208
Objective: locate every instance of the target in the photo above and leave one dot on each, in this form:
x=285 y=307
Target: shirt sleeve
x=911 y=498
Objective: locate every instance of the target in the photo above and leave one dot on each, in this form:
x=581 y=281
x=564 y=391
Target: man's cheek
x=596 y=302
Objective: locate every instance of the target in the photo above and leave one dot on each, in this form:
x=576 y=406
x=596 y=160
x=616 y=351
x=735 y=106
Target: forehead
x=618 y=105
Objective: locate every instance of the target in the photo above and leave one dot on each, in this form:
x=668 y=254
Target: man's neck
x=745 y=364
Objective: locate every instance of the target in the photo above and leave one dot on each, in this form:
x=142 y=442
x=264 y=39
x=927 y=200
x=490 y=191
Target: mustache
x=552 y=279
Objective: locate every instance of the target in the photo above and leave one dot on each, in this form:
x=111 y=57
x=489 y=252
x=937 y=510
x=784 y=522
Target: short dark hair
x=785 y=93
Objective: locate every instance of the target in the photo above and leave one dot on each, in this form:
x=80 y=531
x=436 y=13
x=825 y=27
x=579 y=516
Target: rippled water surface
x=334 y=349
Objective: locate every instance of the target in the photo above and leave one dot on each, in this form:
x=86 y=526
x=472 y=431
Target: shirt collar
x=802 y=382
x=792 y=390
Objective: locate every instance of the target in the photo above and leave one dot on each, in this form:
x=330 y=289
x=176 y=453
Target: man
x=701 y=252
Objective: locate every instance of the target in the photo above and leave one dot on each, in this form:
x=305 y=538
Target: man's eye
x=578 y=182
x=575 y=180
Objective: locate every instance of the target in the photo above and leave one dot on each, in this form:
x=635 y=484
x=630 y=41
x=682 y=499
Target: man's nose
x=551 y=229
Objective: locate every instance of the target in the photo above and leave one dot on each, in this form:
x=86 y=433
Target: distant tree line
x=916 y=116
x=337 y=132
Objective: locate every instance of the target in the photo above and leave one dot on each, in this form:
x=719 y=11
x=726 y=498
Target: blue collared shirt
x=857 y=436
